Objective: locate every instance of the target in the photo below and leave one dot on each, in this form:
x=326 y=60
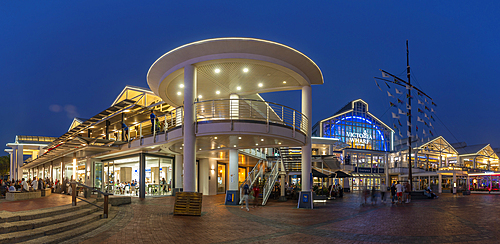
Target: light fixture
x=260 y=85
x=256 y=144
x=234 y=146
x=245 y=70
x=126 y=111
x=217 y=92
x=179 y=93
x=238 y=88
x=215 y=138
x=199 y=96
x=284 y=82
x=261 y=139
x=181 y=85
x=279 y=143
x=180 y=148
x=182 y=144
x=200 y=149
x=239 y=137
x=217 y=71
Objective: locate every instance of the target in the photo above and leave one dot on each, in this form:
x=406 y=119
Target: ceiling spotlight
x=256 y=144
x=245 y=70
x=215 y=138
x=260 y=85
x=238 y=88
x=261 y=139
x=279 y=143
x=218 y=147
x=217 y=71
x=179 y=93
x=217 y=92
x=200 y=149
x=284 y=82
x=199 y=96
x=239 y=137
x=234 y=146
x=181 y=85
x=180 y=147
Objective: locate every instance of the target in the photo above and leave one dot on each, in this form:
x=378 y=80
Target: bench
x=17 y=195
x=46 y=192
x=119 y=200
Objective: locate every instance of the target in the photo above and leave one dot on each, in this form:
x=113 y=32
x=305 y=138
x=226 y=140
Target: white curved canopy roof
x=233 y=65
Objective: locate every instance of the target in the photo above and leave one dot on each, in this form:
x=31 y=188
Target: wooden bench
x=16 y=196
x=188 y=203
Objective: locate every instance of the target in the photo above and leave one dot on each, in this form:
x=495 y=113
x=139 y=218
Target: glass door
x=221 y=178
x=98 y=175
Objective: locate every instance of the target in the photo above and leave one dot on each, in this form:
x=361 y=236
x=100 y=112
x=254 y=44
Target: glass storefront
x=360 y=181
x=221 y=178
x=121 y=176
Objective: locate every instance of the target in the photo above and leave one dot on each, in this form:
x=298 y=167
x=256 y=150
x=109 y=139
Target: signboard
x=359 y=138
x=364 y=170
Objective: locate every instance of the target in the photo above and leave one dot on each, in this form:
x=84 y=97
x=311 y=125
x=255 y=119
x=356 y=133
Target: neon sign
x=359 y=138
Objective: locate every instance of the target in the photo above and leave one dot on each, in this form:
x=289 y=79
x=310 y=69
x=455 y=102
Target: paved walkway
x=54 y=200
x=449 y=219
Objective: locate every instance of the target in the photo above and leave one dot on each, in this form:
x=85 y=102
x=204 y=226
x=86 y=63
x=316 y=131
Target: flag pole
x=410 y=177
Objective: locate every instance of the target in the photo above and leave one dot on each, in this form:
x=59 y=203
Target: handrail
x=250 y=109
x=105 y=194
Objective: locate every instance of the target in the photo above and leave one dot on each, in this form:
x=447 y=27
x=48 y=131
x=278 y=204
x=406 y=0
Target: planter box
x=16 y=196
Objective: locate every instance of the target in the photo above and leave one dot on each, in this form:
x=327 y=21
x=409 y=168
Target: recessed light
x=245 y=70
x=179 y=93
x=199 y=96
x=260 y=85
x=234 y=146
x=182 y=144
x=217 y=71
x=181 y=85
x=256 y=144
x=284 y=82
x=215 y=138
x=218 y=147
x=239 y=137
x=238 y=88
x=217 y=92
x=279 y=143
x=200 y=149
x=261 y=139
x=180 y=147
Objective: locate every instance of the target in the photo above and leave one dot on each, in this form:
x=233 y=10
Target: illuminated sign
x=359 y=138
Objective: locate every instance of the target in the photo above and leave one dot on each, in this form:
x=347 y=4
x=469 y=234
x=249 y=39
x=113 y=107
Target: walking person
x=246 y=191
x=256 y=191
x=374 y=195
x=399 y=192
x=408 y=192
x=125 y=131
x=152 y=117
x=393 y=193
x=366 y=191
x=383 y=189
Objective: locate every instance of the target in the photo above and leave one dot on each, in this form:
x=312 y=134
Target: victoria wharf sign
x=359 y=138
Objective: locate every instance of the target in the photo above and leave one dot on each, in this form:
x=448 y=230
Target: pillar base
x=232 y=197
x=305 y=200
x=282 y=199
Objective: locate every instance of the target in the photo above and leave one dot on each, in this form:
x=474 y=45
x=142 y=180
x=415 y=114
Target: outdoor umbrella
x=318 y=174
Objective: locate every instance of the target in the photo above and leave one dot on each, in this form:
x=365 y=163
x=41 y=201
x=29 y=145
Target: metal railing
x=248 y=109
x=105 y=194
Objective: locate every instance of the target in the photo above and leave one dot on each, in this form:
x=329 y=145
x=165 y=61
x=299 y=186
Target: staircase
x=51 y=225
x=268 y=171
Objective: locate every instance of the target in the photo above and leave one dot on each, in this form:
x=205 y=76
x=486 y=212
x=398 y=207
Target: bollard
x=73 y=194
x=105 y=206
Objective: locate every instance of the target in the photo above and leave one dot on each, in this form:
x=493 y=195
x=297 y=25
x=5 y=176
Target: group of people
x=335 y=191
x=24 y=185
x=248 y=194
x=401 y=193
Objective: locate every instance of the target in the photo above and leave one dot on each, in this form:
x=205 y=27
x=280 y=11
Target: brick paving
x=54 y=200
x=449 y=219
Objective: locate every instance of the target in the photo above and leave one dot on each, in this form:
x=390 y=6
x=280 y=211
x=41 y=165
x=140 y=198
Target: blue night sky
x=60 y=60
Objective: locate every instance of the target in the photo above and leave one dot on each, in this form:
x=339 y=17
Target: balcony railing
x=251 y=110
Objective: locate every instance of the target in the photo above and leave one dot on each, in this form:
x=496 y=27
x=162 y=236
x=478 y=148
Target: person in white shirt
x=399 y=192
x=25 y=185
x=34 y=184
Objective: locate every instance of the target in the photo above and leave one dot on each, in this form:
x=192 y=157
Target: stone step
x=27 y=235
x=6 y=216
x=10 y=227
x=74 y=231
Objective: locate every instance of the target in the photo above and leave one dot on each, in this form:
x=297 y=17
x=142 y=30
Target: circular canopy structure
x=234 y=65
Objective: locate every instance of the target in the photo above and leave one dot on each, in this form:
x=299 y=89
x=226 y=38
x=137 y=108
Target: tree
x=4 y=166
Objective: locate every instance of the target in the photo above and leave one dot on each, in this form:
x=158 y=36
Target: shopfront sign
x=364 y=170
x=359 y=138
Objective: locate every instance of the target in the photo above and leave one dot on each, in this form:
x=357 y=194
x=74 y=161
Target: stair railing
x=105 y=194
x=269 y=185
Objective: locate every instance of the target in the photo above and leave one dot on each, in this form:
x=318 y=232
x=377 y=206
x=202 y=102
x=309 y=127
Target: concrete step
x=53 y=228
x=75 y=231
x=43 y=213
x=10 y=227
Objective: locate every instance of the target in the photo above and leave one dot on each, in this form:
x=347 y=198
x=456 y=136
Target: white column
x=440 y=187
x=19 y=163
x=233 y=170
x=11 y=169
x=306 y=149
x=454 y=181
x=189 y=126
x=204 y=176
x=178 y=171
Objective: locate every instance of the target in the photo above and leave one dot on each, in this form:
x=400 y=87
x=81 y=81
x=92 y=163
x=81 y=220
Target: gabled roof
x=473 y=149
